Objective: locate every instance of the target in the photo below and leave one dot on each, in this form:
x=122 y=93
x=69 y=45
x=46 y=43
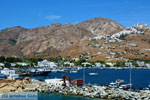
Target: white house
x=86 y=64
x=2 y=64
x=47 y=63
x=6 y=71
x=12 y=64
x=68 y=63
x=133 y=45
x=10 y=73
x=110 y=64
x=108 y=57
x=128 y=64
x=56 y=82
x=140 y=63
x=147 y=65
x=76 y=59
x=98 y=64
x=22 y=63
x=99 y=53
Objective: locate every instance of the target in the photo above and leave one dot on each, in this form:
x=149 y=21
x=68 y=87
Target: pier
x=91 y=91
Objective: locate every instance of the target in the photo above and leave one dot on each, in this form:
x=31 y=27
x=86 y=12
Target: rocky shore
x=101 y=92
x=91 y=91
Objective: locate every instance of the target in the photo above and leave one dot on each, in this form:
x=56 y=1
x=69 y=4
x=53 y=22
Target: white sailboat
x=93 y=73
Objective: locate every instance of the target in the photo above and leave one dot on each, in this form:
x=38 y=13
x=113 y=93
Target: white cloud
x=53 y=17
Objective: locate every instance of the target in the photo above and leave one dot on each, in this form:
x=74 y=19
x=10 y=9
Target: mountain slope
x=8 y=40
x=101 y=26
x=131 y=43
x=49 y=40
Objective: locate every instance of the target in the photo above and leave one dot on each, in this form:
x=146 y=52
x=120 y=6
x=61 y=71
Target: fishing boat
x=73 y=70
x=93 y=74
x=124 y=86
x=39 y=71
x=54 y=70
x=114 y=85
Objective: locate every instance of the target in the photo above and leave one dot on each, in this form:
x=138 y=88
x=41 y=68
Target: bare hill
x=50 y=40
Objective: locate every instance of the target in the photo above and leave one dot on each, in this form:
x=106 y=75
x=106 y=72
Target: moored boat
x=93 y=74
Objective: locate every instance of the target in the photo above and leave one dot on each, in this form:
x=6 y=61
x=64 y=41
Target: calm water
x=61 y=97
x=140 y=79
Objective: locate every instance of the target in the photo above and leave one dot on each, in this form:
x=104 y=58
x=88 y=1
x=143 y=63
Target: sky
x=36 y=13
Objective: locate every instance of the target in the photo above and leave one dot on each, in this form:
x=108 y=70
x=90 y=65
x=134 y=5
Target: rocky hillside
x=49 y=40
x=8 y=40
x=101 y=26
x=131 y=43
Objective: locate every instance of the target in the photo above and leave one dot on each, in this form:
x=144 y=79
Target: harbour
x=140 y=77
x=105 y=85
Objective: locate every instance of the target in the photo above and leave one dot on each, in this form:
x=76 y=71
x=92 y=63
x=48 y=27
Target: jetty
x=91 y=91
x=101 y=92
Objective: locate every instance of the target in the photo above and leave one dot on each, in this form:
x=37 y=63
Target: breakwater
x=91 y=91
x=101 y=92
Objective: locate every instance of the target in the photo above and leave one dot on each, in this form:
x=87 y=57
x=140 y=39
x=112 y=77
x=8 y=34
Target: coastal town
x=19 y=74
x=74 y=50
x=17 y=77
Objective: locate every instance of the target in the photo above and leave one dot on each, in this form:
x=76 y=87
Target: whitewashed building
x=10 y=73
x=110 y=64
x=46 y=63
x=2 y=64
x=86 y=64
x=22 y=63
x=98 y=64
x=128 y=64
x=147 y=65
x=56 y=82
x=140 y=63
x=12 y=64
x=75 y=59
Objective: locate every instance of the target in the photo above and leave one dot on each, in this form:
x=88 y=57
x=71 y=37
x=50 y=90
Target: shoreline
x=90 y=91
x=95 y=92
x=118 y=68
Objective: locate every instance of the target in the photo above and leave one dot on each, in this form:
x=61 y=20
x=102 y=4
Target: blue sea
x=43 y=96
x=140 y=79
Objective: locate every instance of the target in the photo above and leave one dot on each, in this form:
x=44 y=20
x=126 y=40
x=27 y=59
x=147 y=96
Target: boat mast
x=84 y=74
x=130 y=79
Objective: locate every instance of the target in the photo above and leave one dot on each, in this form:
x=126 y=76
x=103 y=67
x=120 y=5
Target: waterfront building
x=56 y=82
x=86 y=64
x=128 y=64
x=12 y=64
x=46 y=63
x=10 y=73
x=68 y=63
x=1 y=64
x=75 y=59
x=110 y=64
x=98 y=64
x=147 y=65
x=22 y=63
x=140 y=63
